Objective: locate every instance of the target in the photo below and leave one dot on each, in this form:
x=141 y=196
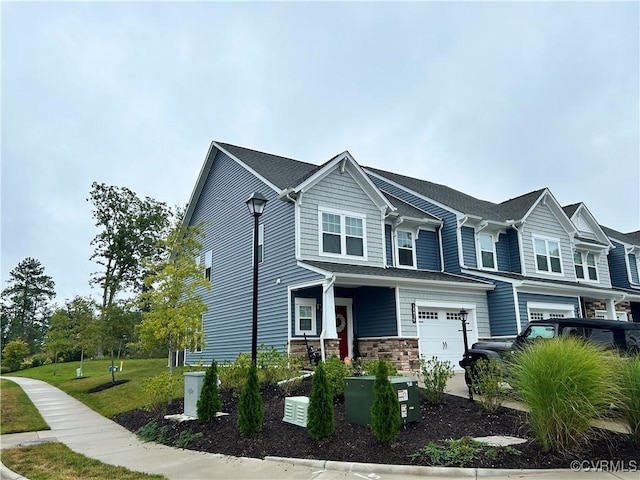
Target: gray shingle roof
x=571 y=209
x=407 y=210
x=635 y=236
x=625 y=237
x=392 y=272
x=589 y=240
x=517 y=276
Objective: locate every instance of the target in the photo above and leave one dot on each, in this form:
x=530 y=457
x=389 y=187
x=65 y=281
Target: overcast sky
x=493 y=99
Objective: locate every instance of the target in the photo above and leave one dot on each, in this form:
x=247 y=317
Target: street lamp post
x=256 y=204
x=463 y=318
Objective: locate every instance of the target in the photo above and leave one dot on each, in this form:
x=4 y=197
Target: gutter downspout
x=323 y=333
x=441 y=247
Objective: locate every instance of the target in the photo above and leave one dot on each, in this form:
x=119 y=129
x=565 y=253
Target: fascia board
x=249 y=169
x=486 y=274
x=202 y=177
x=603 y=237
x=355 y=279
x=557 y=211
x=566 y=290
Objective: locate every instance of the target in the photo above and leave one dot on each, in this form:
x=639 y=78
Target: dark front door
x=342 y=329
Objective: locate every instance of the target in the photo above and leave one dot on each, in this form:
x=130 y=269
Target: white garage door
x=440 y=334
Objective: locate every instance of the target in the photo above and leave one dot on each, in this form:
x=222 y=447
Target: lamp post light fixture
x=256 y=204
x=463 y=314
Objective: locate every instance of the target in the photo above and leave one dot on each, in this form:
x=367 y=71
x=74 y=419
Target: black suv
x=612 y=334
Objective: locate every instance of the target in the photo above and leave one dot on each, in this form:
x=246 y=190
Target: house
x=360 y=262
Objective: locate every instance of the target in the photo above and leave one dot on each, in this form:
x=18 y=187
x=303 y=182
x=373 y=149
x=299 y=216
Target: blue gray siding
x=514 y=251
x=449 y=228
x=374 y=312
x=524 y=298
x=468 y=235
x=502 y=310
x=388 y=244
x=228 y=229
x=503 y=254
x=427 y=251
x=618 y=266
x=633 y=266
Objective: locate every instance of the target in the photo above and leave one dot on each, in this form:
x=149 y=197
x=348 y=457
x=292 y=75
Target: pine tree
x=209 y=402
x=385 y=411
x=320 y=423
x=250 y=405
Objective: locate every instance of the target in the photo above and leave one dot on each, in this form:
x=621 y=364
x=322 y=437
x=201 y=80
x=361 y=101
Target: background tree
x=82 y=314
x=25 y=303
x=130 y=229
x=117 y=330
x=14 y=353
x=60 y=336
x=171 y=304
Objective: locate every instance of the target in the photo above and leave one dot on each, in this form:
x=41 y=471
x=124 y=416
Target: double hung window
x=585 y=261
x=547 y=255
x=342 y=234
x=487 y=251
x=405 y=248
x=305 y=316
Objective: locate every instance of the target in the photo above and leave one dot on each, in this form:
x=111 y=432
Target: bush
x=233 y=375
x=275 y=365
x=369 y=367
x=336 y=371
x=320 y=423
x=566 y=383
x=487 y=379
x=385 y=410
x=14 y=353
x=159 y=390
x=630 y=386
x=209 y=402
x=250 y=405
x=435 y=374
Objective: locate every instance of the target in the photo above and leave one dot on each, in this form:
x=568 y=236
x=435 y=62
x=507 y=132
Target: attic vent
x=295 y=410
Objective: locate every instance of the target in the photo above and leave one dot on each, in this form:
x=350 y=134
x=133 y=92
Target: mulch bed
x=456 y=418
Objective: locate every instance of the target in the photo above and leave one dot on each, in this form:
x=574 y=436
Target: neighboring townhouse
x=624 y=266
x=360 y=262
x=357 y=271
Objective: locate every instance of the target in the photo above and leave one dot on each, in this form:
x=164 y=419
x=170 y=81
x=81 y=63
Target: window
x=582 y=258
x=342 y=234
x=405 y=248
x=487 y=251
x=547 y=255
x=261 y=243
x=208 y=262
x=427 y=315
x=305 y=316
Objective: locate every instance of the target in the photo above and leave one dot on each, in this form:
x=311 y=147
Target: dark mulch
x=457 y=418
x=105 y=386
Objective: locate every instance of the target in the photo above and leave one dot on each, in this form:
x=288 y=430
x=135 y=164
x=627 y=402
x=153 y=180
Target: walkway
x=93 y=435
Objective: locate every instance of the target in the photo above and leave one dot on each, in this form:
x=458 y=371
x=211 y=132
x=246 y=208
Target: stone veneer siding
x=591 y=307
x=402 y=352
x=299 y=349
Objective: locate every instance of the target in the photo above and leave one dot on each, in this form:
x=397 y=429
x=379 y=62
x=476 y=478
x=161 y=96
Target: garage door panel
x=440 y=335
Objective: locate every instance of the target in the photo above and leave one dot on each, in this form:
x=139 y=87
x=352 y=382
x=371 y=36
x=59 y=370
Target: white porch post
x=329 y=311
x=611 y=309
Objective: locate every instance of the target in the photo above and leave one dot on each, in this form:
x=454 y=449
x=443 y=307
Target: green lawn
x=55 y=461
x=111 y=401
x=17 y=413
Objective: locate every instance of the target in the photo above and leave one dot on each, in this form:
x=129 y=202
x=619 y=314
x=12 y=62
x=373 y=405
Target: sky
x=494 y=99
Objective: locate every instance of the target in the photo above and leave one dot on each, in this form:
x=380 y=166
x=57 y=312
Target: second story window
x=405 y=248
x=585 y=261
x=208 y=262
x=261 y=243
x=547 y=255
x=342 y=234
x=487 y=251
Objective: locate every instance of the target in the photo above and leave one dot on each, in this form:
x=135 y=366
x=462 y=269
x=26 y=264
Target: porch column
x=611 y=309
x=329 y=311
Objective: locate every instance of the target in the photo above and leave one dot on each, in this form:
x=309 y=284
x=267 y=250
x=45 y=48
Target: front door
x=342 y=327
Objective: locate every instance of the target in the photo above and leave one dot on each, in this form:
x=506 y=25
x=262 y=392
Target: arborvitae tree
x=320 y=422
x=209 y=402
x=250 y=405
x=385 y=411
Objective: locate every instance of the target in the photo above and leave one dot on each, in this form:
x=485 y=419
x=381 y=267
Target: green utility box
x=358 y=398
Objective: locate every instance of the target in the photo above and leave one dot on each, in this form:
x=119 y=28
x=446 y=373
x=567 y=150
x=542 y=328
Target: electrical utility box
x=192 y=387
x=358 y=398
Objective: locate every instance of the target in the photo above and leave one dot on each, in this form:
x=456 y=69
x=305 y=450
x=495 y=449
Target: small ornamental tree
x=14 y=353
x=320 y=412
x=250 y=405
x=209 y=402
x=385 y=411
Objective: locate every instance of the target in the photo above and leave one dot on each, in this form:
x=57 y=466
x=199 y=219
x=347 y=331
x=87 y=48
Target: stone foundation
x=402 y=352
x=591 y=307
x=299 y=349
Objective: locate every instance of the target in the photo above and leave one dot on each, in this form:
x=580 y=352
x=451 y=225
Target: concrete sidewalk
x=93 y=435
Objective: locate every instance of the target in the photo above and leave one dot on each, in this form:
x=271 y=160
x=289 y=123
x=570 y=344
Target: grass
x=55 y=461
x=17 y=413
x=112 y=401
x=630 y=402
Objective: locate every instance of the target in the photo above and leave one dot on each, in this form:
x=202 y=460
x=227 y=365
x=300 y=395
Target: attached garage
x=544 y=311
x=440 y=331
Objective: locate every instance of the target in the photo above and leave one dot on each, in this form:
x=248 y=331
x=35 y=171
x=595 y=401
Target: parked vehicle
x=611 y=334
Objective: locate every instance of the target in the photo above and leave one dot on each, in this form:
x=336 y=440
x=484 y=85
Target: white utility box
x=295 y=410
x=192 y=387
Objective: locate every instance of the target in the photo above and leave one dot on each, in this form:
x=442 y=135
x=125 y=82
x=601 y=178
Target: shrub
x=566 y=384
x=233 y=375
x=288 y=386
x=435 y=374
x=385 y=410
x=250 y=405
x=151 y=432
x=14 y=353
x=336 y=371
x=487 y=379
x=209 y=402
x=460 y=452
x=630 y=404
x=320 y=423
x=369 y=367
x=185 y=438
x=159 y=390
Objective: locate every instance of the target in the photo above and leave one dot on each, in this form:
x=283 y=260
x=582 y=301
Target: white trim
x=516 y=305
x=619 y=314
x=479 y=251
x=414 y=252
x=347 y=302
x=441 y=248
x=306 y=302
x=585 y=266
x=565 y=308
x=343 y=214
x=289 y=336
x=384 y=239
x=249 y=169
x=296 y=207
x=534 y=237
x=392 y=337
x=557 y=212
x=595 y=226
x=398 y=314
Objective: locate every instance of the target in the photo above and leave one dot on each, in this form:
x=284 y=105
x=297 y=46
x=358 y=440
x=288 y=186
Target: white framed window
x=586 y=266
x=405 y=248
x=547 y=253
x=487 y=251
x=342 y=234
x=261 y=243
x=208 y=262
x=305 y=316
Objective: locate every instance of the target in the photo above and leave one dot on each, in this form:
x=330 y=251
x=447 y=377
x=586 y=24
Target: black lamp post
x=463 y=318
x=256 y=204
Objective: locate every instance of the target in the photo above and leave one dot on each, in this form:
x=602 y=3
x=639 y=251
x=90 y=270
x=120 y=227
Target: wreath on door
x=341 y=322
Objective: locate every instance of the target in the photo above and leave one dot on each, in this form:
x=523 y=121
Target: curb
x=7 y=474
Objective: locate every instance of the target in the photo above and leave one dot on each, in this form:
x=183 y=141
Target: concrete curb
x=7 y=474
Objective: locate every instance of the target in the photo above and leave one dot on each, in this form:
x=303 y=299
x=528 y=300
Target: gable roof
x=628 y=238
x=405 y=209
x=571 y=209
x=581 y=211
